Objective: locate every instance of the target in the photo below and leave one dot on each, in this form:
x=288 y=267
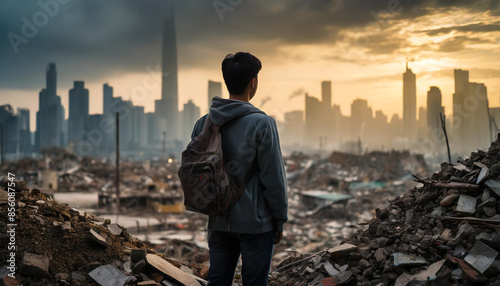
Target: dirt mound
x=58 y=244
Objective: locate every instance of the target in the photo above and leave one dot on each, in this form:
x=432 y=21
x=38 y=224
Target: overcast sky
x=361 y=46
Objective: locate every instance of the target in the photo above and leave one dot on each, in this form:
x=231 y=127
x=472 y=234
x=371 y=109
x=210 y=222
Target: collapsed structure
x=445 y=232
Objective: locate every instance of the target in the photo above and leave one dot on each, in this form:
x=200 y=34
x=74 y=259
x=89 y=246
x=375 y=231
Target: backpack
x=205 y=182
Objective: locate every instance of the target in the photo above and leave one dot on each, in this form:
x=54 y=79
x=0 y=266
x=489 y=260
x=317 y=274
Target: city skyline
x=435 y=40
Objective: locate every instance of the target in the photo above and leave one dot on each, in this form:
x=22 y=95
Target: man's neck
x=241 y=97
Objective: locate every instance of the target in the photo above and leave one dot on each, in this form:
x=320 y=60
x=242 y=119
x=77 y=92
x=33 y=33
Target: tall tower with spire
x=50 y=115
x=410 y=104
x=167 y=108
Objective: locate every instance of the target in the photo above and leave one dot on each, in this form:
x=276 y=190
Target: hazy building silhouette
x=461 y=82
x=409 y=104
x=314 y=120
x=422 y=122
x=78 y=120
x=25 y=145
x=326 y=93
x=50 y=113
x=169 y=90
x=139 y=130
x=151 y=125
x=9 y=131
x=476 y=129
x=107 y=99
x=434 y=109
x=214 y=89
x=361 y=115
x=108 y=118
x=190 y=114
x=293 y=134
x=471 y=123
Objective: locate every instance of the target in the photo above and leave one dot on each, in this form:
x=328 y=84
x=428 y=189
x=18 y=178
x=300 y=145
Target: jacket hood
x=224 y=110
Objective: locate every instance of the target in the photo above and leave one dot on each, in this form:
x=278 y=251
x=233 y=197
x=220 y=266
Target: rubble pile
x=444 y=232
x=339 y=168
x=60 y=245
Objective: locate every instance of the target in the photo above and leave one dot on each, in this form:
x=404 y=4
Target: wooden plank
x=171 y=271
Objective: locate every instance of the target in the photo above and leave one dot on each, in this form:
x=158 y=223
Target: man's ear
x=253 y=83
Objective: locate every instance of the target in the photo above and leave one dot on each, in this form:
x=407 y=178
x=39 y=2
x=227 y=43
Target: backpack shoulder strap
x=248 y=175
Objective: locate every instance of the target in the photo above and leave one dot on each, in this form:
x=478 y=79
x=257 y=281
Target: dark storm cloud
x=94 y=39
x=460 y=43
x=478 y=27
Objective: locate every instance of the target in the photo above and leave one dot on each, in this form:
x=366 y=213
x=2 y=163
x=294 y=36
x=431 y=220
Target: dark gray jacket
x=250 y=135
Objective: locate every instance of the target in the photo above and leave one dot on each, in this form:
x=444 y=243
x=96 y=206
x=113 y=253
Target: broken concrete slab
x=35 y=265
x=429 y=274
x=114 y=229
x=481 y=256
x=108 y=275
x=482 y=175
x=466 y=204
x=494 y=185
x=98 y=238
x=408 y=259
x=171 y=271
x=77 y=276
x=330 y=269
x=342 y=249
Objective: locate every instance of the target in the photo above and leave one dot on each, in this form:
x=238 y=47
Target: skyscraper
x=50 y=113
x=361 y=114
x=9 y=130
x=434 y=108
x=190 y=114
x=107 y=99
x=78 y=112
x=24 y=131
x=169 y=88
x=326 y=93
x=214 y=89
x=461 y=82
x=409 y=104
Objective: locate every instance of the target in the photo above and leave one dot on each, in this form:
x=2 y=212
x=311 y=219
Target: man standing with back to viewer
x=250 y=143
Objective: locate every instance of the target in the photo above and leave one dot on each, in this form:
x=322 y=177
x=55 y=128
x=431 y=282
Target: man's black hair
x=238 y=70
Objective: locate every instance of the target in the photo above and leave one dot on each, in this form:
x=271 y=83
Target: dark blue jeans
x=225 y=248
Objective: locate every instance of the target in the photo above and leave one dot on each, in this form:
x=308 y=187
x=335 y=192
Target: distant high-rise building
x=109 y=115
x=434 y=108
x=169 y=92
x=25 y=145
x=476 y=128
x=50 y=113
x=326 y=93
x=214 y=89
x=94 y=130
x=470 y=114
x=314 y=120
x=294 y=128
x=461 y=82
x=107 y=99
x=422 y=122
x=361 y=115
x=409 y=104
x=139 y=130
x=151 y=125
x=190 y=114
x=9 y=131
x=78 y=120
